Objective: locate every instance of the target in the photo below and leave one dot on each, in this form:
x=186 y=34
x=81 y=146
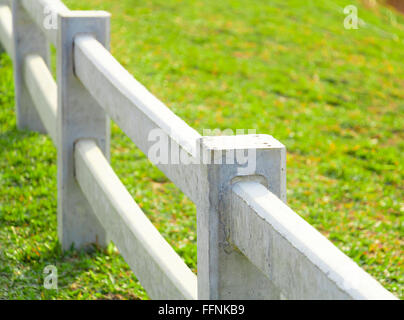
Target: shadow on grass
x=28 y=227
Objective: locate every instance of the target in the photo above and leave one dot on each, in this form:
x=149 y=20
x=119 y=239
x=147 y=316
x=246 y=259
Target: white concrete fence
x=251 y=245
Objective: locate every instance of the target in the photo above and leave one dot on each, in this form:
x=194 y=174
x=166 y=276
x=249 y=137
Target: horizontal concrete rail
x=6 y=28
x=43 y=90
x=159 y=269
x=301 y=262
x=44 y=13
x=136 y=110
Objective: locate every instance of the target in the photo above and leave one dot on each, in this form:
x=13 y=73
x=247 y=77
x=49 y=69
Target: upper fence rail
x=299 y=260
x=135 y=109
x=250 y=243
x=160 y=270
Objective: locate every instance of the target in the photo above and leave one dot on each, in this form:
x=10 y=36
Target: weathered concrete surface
x=79 y=116
x=28 y=39
x=224 y=273
x=43 y=90
x=159 y=269
x=296 y=258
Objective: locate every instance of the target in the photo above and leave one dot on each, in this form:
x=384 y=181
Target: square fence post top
x=94 y=22
x=241 y=142
x=258 y=157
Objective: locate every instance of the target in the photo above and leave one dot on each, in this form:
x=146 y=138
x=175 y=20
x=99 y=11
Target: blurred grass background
x=333 y=96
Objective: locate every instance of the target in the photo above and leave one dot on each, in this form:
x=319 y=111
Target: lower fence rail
x=43 y=90
x=159 y=269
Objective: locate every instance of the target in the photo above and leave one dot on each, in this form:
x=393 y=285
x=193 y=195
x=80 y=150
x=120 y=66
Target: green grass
x=334 y=97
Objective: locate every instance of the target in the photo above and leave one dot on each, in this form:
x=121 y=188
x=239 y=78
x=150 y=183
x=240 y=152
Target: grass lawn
x=333 y=96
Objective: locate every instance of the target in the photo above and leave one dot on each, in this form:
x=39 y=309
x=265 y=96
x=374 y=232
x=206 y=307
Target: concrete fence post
x=79 y=116
x=28 y=39
x=223 y=272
